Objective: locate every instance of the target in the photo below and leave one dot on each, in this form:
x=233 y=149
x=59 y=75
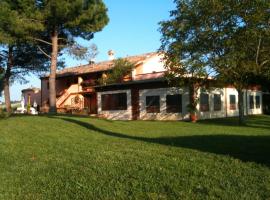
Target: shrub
x=3 y=114
x=121 y=68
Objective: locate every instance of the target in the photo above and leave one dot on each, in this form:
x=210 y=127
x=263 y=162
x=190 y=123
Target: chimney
x=92 y=61
x=111 y=55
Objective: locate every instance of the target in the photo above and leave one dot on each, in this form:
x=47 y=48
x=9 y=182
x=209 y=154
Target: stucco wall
x=116 y=114
x=153 y=64
x=35 y=96
x=212 y=113
x=225 y=93
x=232 y=91
x=61 y=86
x=255 y=110
x=163 y=115
x=68 y=101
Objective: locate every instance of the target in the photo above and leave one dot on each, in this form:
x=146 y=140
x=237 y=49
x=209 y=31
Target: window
x=251 y=102
x=232 y=102
x=174 y=103
x=116 y=101
x=204 y=102
x=217 y=102
x=258 y=102
x=153 y=104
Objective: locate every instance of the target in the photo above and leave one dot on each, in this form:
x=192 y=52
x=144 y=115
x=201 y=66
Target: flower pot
x=193 y=117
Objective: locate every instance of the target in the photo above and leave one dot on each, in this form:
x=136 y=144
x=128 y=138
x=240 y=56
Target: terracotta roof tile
x=100 y=66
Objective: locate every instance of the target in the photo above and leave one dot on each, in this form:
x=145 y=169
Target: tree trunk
x=241 y=106
x=192 y=102
x=7 y=94
x=7 y=80
x=52 y=86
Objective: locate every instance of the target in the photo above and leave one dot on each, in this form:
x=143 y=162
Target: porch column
x=80 y=80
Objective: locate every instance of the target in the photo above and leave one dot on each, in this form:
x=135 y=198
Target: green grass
x=62 y=157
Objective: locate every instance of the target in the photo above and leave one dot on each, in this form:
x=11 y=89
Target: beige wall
x=68 y=101
x=162 y=92
x=61 y=85
x=34 y=95
x=225 y=99
x=163 y=115
x=116 y=114
x=212 y=113
x=150 y=65
x=255 y=110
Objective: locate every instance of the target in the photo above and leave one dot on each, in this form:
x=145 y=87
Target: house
x=32 y=96
x=146 y=95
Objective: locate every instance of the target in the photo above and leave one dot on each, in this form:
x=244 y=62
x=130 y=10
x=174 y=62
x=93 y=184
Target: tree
x=184 y=60
x=121 y=69
x=16 y=55
x=63 y=21
x=1 y=80
x=244 y=59
x=230 y=38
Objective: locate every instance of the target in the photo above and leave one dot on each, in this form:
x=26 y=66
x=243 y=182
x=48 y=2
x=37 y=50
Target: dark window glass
x=232 y=102
x=153 y=104
x=174 y=103
x=116 y=101
x=251 y=102
x=258 y=102
x=217 y=102
x=204 y=102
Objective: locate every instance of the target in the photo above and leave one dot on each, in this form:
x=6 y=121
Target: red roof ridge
x=100 y=66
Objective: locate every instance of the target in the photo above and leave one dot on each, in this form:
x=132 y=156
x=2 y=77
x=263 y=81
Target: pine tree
x=63 y=21
x=18 y=19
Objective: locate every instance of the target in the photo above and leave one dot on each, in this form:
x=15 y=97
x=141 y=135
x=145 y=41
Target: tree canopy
x=229 y=40
x=18 y=56
x=63 y=21
x=18 y=20
x=121 y=68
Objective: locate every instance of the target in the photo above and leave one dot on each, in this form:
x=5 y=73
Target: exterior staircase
x=71 y=90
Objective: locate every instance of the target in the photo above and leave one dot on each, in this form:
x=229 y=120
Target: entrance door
x=90 y=102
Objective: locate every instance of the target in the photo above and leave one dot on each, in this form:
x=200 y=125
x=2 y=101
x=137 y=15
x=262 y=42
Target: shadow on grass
x=251 y=121
x=246 y=148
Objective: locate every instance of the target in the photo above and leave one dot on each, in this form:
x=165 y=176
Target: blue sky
x=133 y=29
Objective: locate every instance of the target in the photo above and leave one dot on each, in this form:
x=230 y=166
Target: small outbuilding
x=32 y=97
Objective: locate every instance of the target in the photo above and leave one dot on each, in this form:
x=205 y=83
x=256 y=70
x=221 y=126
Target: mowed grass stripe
x=68 y=157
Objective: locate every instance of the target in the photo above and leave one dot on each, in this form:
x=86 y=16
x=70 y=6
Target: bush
x=3 y=114
x=121 y=68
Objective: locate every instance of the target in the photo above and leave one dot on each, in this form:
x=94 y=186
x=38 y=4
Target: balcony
x=88 y=85
x=153 y=75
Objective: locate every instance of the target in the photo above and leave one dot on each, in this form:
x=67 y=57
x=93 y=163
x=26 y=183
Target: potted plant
x=192 y=109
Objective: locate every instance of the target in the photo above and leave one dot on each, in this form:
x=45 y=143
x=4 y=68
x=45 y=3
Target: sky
x=132 y=30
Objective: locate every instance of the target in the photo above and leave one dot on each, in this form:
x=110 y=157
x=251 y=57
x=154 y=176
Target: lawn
x=63 y=157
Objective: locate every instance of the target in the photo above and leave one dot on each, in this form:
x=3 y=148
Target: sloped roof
x=100 y=66
x=31 y=89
